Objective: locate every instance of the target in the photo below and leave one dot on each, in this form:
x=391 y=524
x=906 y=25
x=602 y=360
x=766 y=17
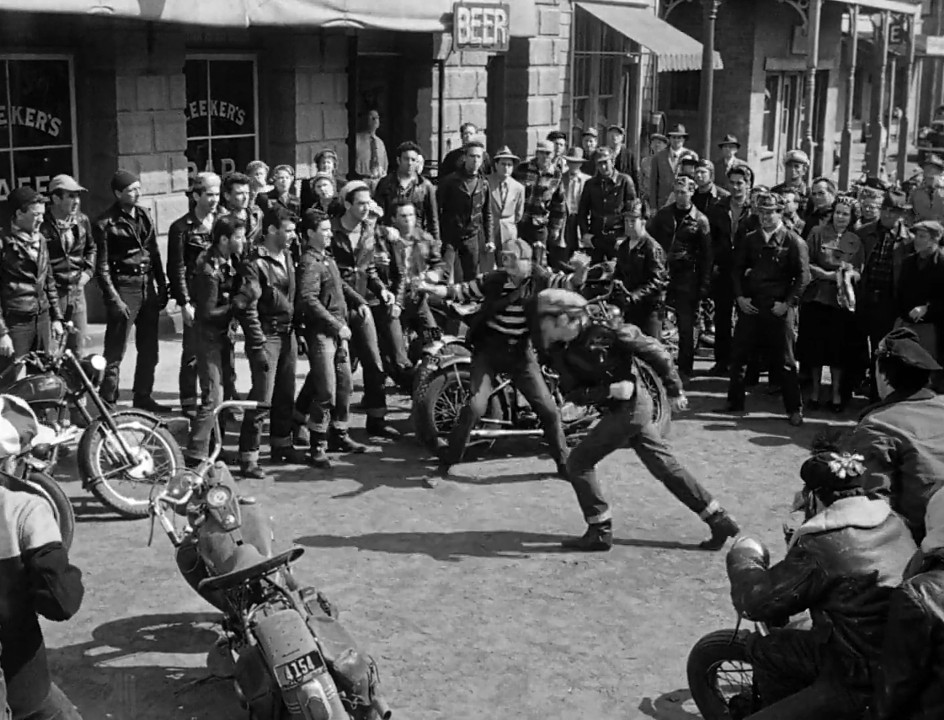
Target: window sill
x=765 y=155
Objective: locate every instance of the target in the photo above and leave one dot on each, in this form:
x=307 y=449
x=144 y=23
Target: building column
x=845 y=152
x=710 y=8
x=873 y=153
x=904 y=122
x=812 y=65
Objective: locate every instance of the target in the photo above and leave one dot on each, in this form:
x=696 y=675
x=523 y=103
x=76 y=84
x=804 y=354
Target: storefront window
x=37 y=132
x=599 y=53
x=221 y=113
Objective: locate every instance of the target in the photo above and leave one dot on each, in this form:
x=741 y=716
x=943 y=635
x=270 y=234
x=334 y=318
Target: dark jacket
x=420 y=192
x=801 y=189
x=625 y=162
x=410 y=257
x=307 y=196
x=323 y=297
x=187 y=239
x=642 y=271
x=545 y=206
x=922 y=283
x=27 y=285
x=455 y=162
x=687 y=246
x=356 y=265
x=289 y=200
x=464 y=209
x=127 y=246
x=265 y=296
x=602 y=203
x=902 y=441
x=35 y=579
x=215 y=280
x=80 y=260
x=769 y=273
x=841 y=566
x=878 y=284
x=910 y=682
x=253 y=220
x=724 y=235
x=707 y=200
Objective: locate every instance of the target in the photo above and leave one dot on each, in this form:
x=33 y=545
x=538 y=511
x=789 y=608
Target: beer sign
x=481 y=26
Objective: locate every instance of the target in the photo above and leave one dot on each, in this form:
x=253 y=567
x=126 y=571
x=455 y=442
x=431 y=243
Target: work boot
x=722 y=527
x=301 y=435
x=339 y=441
x=598 y=538
x=432 y=480
x=318 y=453
x=288 y=455
x=149 y=404
x=378 y=427
x=252 y=469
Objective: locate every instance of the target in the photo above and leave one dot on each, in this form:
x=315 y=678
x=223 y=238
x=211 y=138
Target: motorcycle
x=442 y=389
x=119 y=451
x=283 y=647
x=27 y=470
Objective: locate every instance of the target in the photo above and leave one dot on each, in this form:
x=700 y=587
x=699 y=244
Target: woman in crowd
x=828 y=332
x=258 y=173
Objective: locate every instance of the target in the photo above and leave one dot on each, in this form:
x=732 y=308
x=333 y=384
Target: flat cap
x=769 y=201
x=65 y=182
x=903 y=345
x=22 y=197
x=932 y=226
x=556 y=135
x=351 y=186
x=592 y=131
x=796 y=156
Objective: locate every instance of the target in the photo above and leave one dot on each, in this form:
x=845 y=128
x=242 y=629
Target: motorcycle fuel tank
x=39 y=388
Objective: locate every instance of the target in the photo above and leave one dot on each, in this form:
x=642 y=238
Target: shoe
x=722 y=527
x=252 y=470
x=288 y=455
x=598 y=538
x=795 y=419
x=245 y=500
x=730 y=408
x=378 y=427
x=339 y=441
x=301 y=435
x=717 y=370
x=835 y=407
x=562 y=471
x=773 y=390
x=317 y=454
x=149 y=404
x=432 y=480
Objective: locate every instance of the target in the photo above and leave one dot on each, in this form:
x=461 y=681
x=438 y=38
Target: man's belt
x=275 y=327
x=130 y=270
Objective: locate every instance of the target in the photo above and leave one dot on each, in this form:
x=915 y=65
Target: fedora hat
x=505 y=153
x=678 y=131
x=729 y=139
x=574 y=155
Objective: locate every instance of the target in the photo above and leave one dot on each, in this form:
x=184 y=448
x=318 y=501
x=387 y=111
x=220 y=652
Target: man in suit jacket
x=506 y=196
x=657 y=143
x=729 y=147
x=623 y=157
x=664 y=165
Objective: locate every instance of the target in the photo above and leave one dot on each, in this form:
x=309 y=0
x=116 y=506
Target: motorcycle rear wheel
x=711 y=685
x=43 y=485
x=661 y=406
x=142 y=432
x=439 y=399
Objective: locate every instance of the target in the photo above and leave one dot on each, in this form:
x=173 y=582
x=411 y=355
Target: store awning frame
x=906 y=7
x=675 y=51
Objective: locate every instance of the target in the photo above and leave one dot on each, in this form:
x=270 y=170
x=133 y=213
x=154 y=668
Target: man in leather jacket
x=134 y=289
x=640 y=267
x=841 y=565
x=909 y=684
x=595 y=360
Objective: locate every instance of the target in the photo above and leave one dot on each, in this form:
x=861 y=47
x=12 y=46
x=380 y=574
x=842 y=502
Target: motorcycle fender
x=283 y=637
x=453 y=361
x=257 y=685
x=349 y=667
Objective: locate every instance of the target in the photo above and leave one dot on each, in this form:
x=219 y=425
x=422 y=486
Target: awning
x=395 y=15
x=909 y=7
x=929 y=46
x=675 y=50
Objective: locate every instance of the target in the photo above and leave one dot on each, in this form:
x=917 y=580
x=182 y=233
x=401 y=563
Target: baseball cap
x=65 y=182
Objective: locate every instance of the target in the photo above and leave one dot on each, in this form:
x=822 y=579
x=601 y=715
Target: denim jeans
x=214 y=353
x=275 y=385
x=27 y=333
x=778 y=335
x=189 y=371
x=684 y=298
x=629 y=424
x=467 y=251
x=73 y=306
x=366 y=348
x=722 y=292
x=325 y=397
x=497 y=355
x=391 y=344
x=140 y=295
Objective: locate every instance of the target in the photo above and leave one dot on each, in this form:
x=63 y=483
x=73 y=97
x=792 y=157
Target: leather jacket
x=841 y=566
x=323 y=298
x=27 y=285
x=187 y=239
x=265 y=296
x=215 y=279
x=409 y=257
x=357 y=264
x=465 y=210
x=420 y=192
x=910 y=682
x=67 y=267
x=642 y=271
x=127 y=247
x=687 y=245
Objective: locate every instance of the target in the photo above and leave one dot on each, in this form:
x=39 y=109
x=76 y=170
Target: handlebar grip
x=263 y=406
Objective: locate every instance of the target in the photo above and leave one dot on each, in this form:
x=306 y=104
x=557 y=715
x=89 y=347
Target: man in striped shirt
x=501 y=344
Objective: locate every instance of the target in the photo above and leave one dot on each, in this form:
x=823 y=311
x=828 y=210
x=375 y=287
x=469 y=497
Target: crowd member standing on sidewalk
x=603 y=201
x=465 y=213
x=729 y=147
x=187 y=239
x=507 y=206
x=407 y=184
x=236 y=201
x=265 y=306
x=68 y=234
x=134 y=287
x=214 y=276
x=544 y=206
x=640 y=266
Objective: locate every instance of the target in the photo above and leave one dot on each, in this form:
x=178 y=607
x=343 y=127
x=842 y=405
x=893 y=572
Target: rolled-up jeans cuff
x=602 y=517
x=710 y=510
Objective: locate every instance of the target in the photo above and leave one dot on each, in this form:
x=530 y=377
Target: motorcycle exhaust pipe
x=482 y=433
x=380 y=707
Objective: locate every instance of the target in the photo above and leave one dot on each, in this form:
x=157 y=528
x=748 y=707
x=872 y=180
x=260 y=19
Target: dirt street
x=461 y=593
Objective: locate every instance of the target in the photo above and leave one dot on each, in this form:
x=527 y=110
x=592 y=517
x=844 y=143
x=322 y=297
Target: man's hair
x=312 y=219
x=402 y=203
x=465 y=126
x=276 y=215
x=744 y=171
x=203 y=181
x=235 y=178
x=349 y=198
x=407 y=147
x=905 y=379
x=830 y=185
x=788 y=191
x=226 y=227
x=472 y=144
x=255 y=165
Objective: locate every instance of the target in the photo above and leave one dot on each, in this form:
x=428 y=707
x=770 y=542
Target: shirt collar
x=772 y=234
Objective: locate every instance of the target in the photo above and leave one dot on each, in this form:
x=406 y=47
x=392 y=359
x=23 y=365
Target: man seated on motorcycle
x=36 y=578
x=640 y=267
x=909 y=684
x=902 y=436
x=841 y=565
x=501 y=343
x=595 y=360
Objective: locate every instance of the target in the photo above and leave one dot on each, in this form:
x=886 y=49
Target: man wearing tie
x=729 y=147
x=664 y=165
x=371 y=162
x=506 y=196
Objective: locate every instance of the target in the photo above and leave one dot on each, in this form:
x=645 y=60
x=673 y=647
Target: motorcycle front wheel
x=43 y=485
x=661 y=405
x=124 y=486
x=439 y=399
x=720 y=676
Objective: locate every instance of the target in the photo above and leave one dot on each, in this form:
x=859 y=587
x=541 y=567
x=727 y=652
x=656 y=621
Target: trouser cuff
x=317 y=427
x=604 y=516
x=250 y=456
x=379 y=413
x=712 y=508
x=280 y=442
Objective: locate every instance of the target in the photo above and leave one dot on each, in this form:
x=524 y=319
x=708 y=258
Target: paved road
x=461 y=593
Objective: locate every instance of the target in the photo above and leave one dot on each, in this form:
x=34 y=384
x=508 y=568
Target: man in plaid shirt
x=545 y=205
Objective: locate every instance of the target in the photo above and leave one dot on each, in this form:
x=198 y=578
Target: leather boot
x=251 y=469
x=722 y=527
x=317 y=454
x=301 y=435
x=288 y=455
x=598 y=538
x=339 y=441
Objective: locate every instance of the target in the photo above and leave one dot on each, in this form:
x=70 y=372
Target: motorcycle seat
x=249 y=573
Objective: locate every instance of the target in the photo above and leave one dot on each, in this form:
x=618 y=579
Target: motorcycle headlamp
x=218 y=497
x=97 y=363
x=181 y=484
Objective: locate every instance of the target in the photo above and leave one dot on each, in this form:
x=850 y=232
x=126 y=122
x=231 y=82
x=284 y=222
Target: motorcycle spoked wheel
x=429 y=364
x=98 y=459
x=661 y=406
x=720 y=676
x=45 y=486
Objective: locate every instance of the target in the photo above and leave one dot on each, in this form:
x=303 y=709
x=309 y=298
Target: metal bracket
x=802 y=7
x=669 y=5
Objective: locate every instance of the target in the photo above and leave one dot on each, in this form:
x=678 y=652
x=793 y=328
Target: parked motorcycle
x=287 y=654
x=121 y=453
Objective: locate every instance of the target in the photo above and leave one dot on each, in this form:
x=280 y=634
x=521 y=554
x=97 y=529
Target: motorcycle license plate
x=292 y=673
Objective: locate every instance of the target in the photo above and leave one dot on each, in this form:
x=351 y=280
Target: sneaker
x=341 y=442
x=252 y=470
x=722 y=527
x=598 y=538
x=378 y=427
x=149 y=404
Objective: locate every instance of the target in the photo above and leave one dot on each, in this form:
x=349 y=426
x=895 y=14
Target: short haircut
x=225 y=227
x=349 y=198
x=466 y=125
x=407 y=147
x=830 y=185
x=235 y=178
x=256 y=165
x=283 y=168
x=276 y=215
x=744 y=171
x=403 y=202
x=203 y=181
x=473 y=144
x=312 y=219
